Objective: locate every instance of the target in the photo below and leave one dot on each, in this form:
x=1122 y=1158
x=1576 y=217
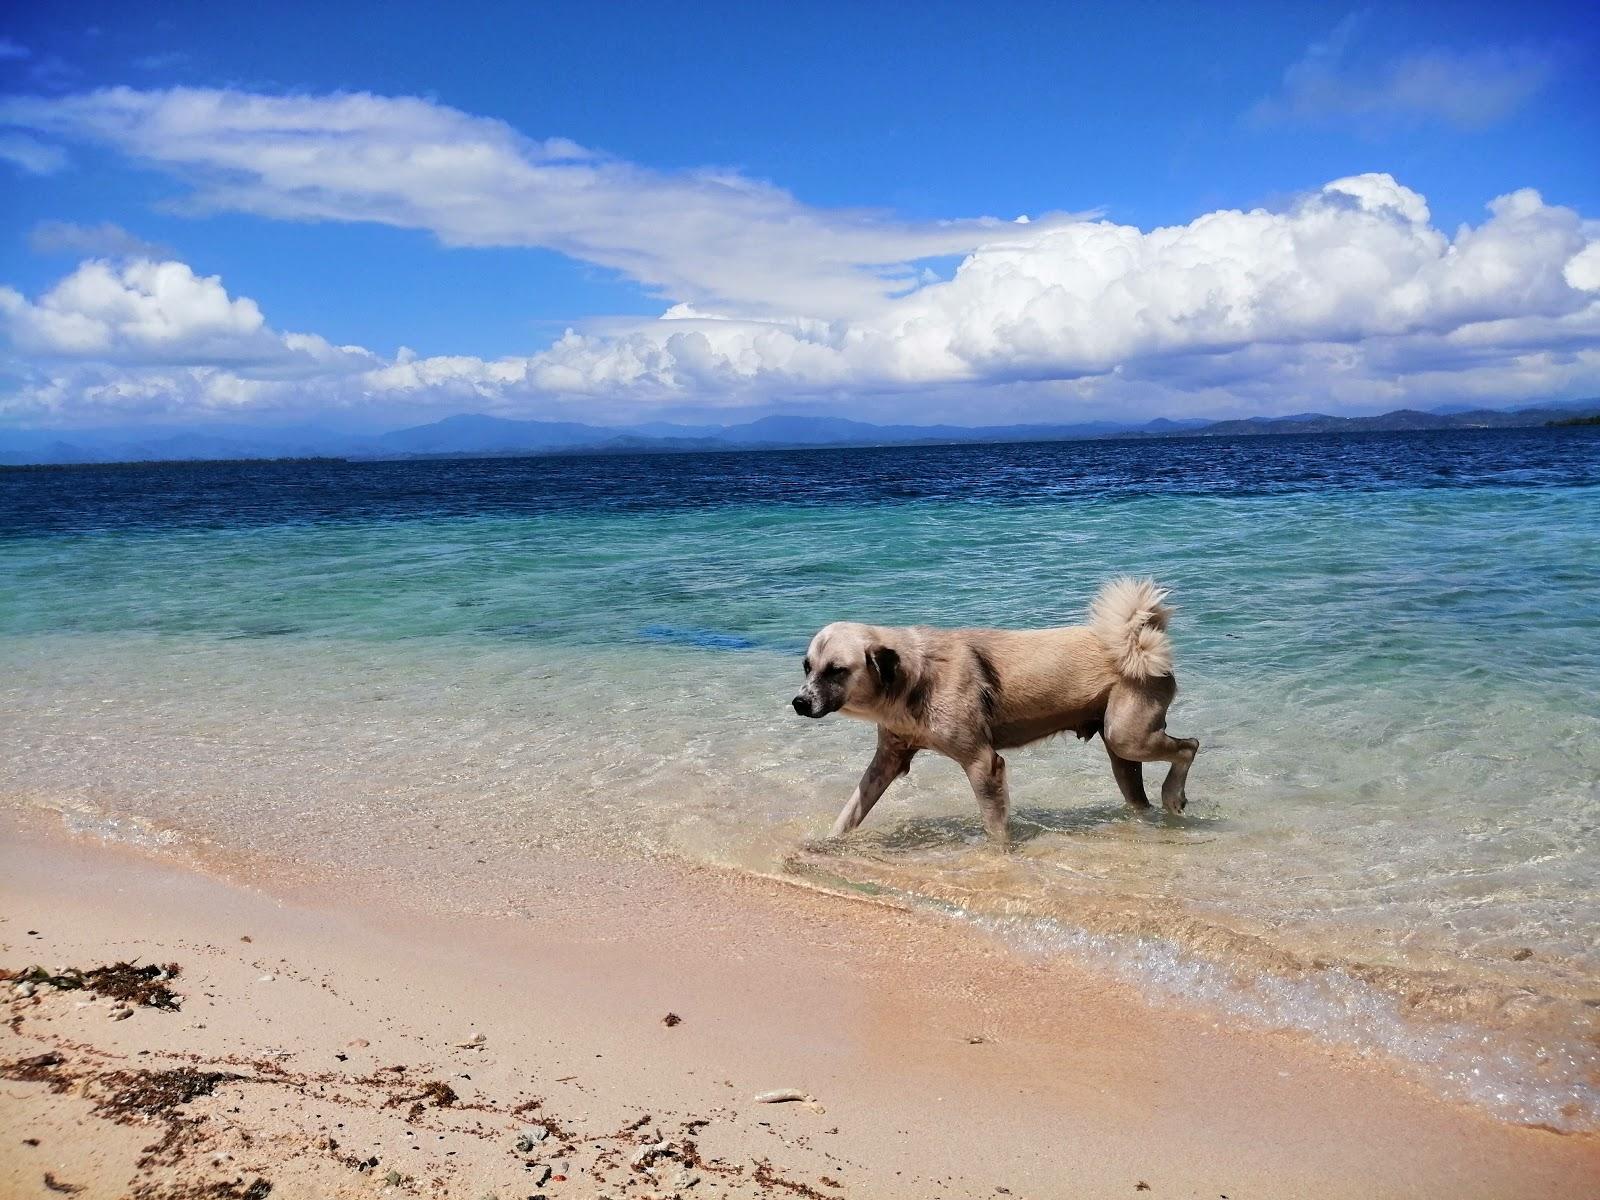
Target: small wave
x=124 y=829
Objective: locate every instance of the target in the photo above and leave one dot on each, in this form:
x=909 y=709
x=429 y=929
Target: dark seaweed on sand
x=145 y=986
x=235 y=1189
x=139 y=1094
x=41 y=1068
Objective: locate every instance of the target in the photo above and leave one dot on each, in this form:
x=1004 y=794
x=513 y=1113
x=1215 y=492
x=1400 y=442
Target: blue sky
x=823 y=198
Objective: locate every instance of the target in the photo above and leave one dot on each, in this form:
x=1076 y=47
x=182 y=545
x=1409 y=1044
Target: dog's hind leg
x=891 y=760
x=987 y=774
x=1130 y=779
x=1135 y=730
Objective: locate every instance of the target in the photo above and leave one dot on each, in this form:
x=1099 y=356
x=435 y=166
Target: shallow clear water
x=1389 y=647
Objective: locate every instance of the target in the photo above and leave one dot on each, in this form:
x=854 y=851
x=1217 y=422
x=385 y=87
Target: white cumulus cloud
x=146 y=312
x=1354 y=262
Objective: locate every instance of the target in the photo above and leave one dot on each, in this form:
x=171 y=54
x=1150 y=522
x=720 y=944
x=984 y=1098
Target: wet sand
x=328 y=1044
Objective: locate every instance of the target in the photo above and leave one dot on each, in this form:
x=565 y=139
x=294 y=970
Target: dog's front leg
x=891 y=760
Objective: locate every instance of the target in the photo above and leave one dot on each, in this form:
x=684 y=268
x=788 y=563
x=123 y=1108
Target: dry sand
x=325 y=1047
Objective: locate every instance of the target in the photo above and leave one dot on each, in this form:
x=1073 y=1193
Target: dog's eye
x=835 y=672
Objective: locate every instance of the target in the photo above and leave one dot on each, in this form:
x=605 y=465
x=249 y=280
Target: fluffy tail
x=1130 y=620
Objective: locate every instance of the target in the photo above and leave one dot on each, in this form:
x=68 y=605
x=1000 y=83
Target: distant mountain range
x=476 y=436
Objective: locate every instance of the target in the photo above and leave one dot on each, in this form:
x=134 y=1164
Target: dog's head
x=847 y=666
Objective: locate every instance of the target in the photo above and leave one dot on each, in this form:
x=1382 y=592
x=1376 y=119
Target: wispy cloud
x=714 y=237
x=104 y=240
x=30 y=155
x=1337 y=81
x=161 y=62
x=10 y=49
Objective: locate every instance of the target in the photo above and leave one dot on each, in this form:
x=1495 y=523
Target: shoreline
x=989 y=1072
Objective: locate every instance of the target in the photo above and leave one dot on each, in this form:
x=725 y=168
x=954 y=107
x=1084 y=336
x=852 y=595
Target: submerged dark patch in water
x=708 y=639
x=521 y=629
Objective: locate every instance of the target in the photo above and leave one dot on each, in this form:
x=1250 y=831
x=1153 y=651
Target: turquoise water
x=1391 y=655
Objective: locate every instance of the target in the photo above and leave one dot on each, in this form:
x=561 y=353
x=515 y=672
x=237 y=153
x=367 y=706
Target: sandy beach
x=329 y=1045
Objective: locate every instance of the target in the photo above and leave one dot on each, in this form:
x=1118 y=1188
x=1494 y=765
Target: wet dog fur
x=970 y=693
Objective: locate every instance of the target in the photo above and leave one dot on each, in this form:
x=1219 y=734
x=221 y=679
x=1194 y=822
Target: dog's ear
x=885 y=664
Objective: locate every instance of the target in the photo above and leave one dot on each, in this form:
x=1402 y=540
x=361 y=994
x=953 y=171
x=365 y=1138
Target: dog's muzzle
x=805 y=706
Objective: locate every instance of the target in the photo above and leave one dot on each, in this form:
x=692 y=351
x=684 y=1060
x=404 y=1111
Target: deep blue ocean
x=231 y=494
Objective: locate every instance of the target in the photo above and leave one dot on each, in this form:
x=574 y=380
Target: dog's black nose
x=802 y=706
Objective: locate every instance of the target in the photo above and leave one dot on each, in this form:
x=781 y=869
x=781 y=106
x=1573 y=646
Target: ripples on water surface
x=1388 y=645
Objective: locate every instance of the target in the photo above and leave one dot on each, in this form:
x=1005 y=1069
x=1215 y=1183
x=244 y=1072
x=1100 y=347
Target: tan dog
x=970 y=693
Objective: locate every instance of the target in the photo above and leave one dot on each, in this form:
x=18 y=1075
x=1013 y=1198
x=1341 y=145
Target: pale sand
x=1077 y=1088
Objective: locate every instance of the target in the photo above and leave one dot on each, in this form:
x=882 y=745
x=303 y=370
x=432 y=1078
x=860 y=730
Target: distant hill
x=1400 y=420
x=472 y=433
x=477 y=435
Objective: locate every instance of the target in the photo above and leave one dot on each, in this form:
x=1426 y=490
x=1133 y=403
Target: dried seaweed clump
x=140 y=1094
x=41 y=1068
x=233 y=1189
x=145 y=986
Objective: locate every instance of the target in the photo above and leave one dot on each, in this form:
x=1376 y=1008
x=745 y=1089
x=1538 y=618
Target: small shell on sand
x=784 y=1096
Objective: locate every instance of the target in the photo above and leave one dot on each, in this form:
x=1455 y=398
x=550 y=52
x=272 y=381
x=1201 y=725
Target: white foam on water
x=1544 y=1084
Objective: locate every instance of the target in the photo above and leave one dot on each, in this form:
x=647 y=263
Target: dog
x=970 y=693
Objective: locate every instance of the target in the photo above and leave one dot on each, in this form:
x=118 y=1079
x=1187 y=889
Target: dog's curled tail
x=1130 y=620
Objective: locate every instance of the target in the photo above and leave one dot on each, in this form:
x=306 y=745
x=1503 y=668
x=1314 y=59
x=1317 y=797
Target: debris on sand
x=137 y=1095
x=671 y=1020
x=233 y=1189
x=647 y=1154
x=437 y=1093
x=55 y=1185
x=783 y=1096
x=768 y=1178
x=41 y=1068
x=155 y=1098
x=789 y=1096
x=530 y=1137
x=145 y=986
x=475 y=1042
